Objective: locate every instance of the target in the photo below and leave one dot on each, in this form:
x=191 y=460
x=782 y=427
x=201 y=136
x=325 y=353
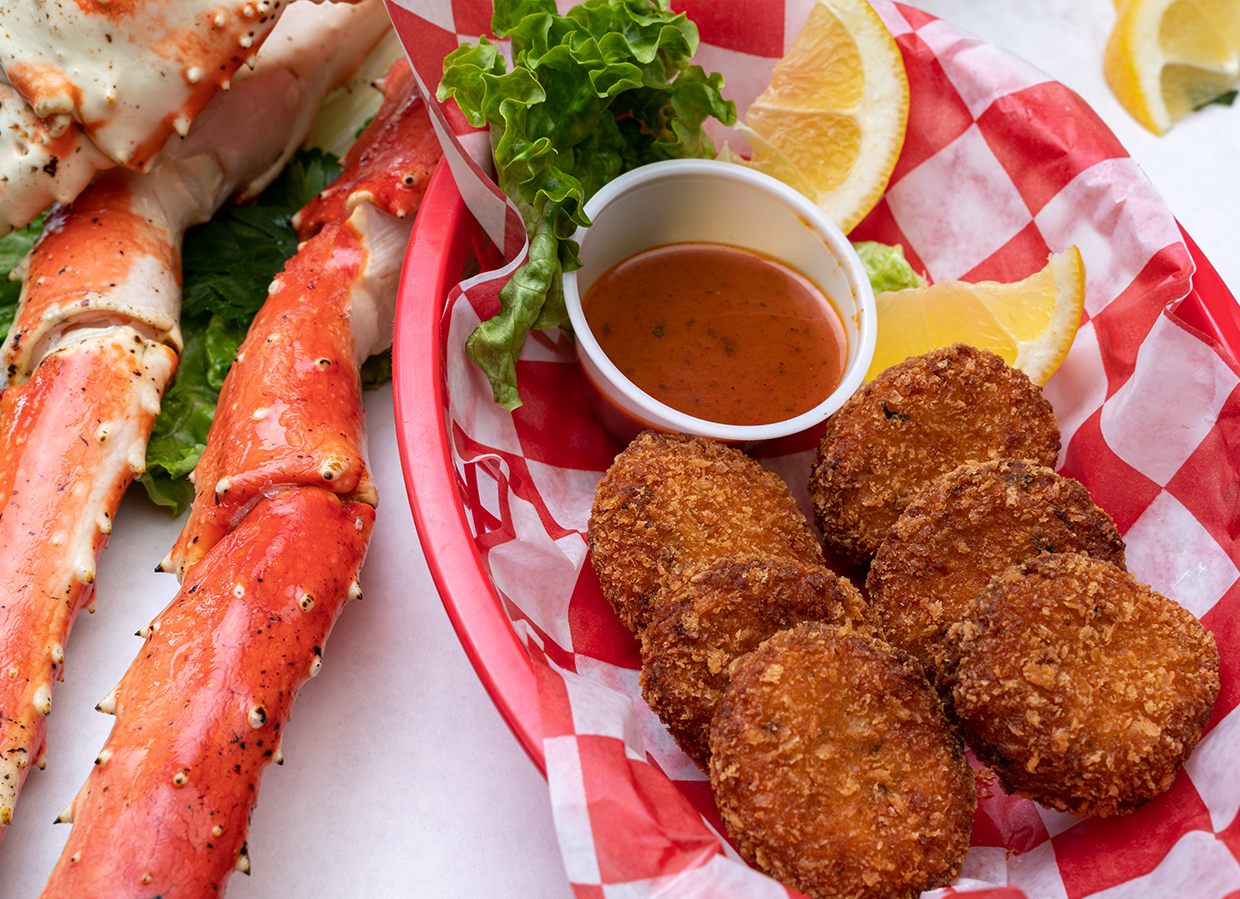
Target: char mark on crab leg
x=201 y=711
x=95 y=343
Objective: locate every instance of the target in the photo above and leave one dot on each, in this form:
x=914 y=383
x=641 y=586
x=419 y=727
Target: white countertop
x=400 y=779
x=1191 y=165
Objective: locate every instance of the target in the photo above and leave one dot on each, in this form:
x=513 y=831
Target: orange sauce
x=720 y=333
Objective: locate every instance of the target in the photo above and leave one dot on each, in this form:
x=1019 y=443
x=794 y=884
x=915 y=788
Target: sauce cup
x=707 y=201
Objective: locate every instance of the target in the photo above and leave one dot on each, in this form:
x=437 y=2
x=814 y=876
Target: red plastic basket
x=443 y=238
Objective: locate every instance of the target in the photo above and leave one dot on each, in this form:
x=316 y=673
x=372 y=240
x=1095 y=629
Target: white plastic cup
x=707 y=201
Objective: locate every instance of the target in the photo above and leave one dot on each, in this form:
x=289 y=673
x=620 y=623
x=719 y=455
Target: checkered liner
x=1000 y=167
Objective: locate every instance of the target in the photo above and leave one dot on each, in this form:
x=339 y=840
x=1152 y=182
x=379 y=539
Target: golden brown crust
x=835 y=771
x=714 y=612
x=1083 y=689
x=669 y=500
x=915 y=421
x=966 y=527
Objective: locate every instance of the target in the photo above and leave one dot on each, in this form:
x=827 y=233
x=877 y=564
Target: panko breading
x=714 y=612
x=1081 y=688
x=916 y=421
x=835 y=771
x=966 y=527
x=669 y=500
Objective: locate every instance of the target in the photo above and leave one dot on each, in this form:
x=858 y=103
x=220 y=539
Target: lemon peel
x=831 y=123
x=1030 y=323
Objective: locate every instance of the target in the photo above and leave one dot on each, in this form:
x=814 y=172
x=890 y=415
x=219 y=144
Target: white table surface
x=400 y=779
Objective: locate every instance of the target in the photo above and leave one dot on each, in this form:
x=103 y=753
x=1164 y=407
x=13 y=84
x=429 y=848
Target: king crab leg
x=290 y=411
x=92 y=85
x=166 y=808
x=49 y=544
x=42 y=161
x=95 y=343
x=283 y=510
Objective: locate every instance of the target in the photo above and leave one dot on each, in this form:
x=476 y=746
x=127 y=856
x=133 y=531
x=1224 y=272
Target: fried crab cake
x=915 y=421
x=1081 y=688
x=966 y=527
x=714 y=612
x=669 y=500
x=835 y=771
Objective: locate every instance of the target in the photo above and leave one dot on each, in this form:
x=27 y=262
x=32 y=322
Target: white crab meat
x=42 y=161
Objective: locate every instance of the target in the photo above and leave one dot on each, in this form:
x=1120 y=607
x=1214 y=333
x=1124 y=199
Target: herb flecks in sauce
x=717 y=332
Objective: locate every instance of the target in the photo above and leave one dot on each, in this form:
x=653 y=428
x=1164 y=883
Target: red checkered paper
x=1001 y=166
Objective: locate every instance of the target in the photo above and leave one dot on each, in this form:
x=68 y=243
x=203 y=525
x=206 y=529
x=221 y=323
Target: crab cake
x=835 y=771
x=669 y=500
x=714 y=612
x=915 y=421
x=966 y=527
x=1081 y=688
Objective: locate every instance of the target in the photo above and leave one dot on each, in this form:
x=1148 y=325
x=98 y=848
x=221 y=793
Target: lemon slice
x=1165 y=58
x=1030 y=323
x=831 y=123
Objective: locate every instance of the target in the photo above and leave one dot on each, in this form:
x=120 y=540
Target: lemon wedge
x=1030 y=323
x=1165 y=58
x=831 y=123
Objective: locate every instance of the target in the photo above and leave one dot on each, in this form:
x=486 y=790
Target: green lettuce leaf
x=229 y=262
x=13 y=249
x=180 y=433
x=592 y=94
x=887 y=267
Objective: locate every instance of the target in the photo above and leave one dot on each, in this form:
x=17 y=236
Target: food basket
x=1148 y=403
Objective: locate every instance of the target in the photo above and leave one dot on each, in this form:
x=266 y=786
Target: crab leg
x=290 y=411
x=92 y=85
x=201 y=711
x=74 y=438
x=42 y=161
x=93 y=347
x=51 y=430
x=271 y=550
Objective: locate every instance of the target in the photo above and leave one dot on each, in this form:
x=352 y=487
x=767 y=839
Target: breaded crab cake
x=835 y=770
x=966 y=527
x=1081 y=688
x=915 y=421
x=715 y=612
x=669 y=500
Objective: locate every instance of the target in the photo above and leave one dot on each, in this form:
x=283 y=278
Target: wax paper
x=1001 y=166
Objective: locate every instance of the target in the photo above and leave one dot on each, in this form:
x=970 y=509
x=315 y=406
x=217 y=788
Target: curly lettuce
x=886 y=266
x=13 y=249
x=592 y=94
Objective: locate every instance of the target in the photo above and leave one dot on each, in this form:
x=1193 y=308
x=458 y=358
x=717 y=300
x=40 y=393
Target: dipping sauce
x=717 y=332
